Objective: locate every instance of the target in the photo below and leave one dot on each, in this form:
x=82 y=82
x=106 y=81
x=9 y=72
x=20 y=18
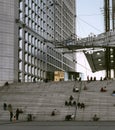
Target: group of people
x=10 y=109
x=103 y=89
x=81 y=105
x=94 y=78
x=71 y=101
x=91 y=78
x=69 y=117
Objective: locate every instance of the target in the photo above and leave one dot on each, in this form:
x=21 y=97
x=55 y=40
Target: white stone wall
x=7 y=42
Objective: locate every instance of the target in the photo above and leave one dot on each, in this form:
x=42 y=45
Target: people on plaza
x=11 y=115
x=70 y=103
x=79 y=105
x=71 y=98
x=69 y=117
x=17 y=113
x=74 y=103
x=113 y=93
x=76 y=89
x=72 y=116
x=82 y=106
x=66 y=103
x=54 y=112
x=5 y=106
x=10 y=111
x=103 y=89
x=95 y=118
x=101 y=79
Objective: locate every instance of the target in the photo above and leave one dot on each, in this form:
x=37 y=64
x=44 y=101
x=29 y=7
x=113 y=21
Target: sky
x=89 y=17
x=90 y=20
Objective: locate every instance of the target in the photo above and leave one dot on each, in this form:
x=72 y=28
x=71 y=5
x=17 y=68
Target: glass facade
x=40 y=20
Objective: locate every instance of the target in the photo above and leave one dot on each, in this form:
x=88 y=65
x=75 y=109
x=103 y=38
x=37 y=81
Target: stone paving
x=69 y=125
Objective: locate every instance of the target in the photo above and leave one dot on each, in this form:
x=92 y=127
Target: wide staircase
x=100 y=103
x=40 y=99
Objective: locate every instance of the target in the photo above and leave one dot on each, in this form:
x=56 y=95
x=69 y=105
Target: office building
x=109 y=24
x=29 y=33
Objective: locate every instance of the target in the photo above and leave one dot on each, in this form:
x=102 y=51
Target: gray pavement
x=69 y=125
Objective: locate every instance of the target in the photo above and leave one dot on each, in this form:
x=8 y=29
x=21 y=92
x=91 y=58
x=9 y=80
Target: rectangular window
x=20 y=43
x=20 y=32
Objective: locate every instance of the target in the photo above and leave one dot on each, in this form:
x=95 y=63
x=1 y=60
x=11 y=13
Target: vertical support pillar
x=107 y=28
x=114 y=63
x=113 y=27
x=107 y=57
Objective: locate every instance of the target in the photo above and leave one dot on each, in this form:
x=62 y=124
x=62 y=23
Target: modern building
x=105 y=59
x=113 y=14
x=109 y=20
x=29 y=33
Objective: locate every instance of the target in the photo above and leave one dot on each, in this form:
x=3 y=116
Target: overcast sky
x=89 y=20
x=89 y=17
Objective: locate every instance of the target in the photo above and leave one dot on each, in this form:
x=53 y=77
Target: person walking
x=11 y=115
x=4 y=106
x=17 y=113
x=10 y=111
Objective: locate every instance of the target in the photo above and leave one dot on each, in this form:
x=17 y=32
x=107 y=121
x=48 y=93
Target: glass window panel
x=33 y=50
x=20 y=54
x=26 y=47
x=29 y=38
x=26 y=57
x=33 y=60
x=26 y=36
x=26 y=78
x=33 y=70
x=26 y=1
x=20 y=43
x=20 y=32
x=26 y=68
x=30 y=59
x=21 y=5
x=29 y=48
x=20 y=66
x=29 y=69
x=20 y=76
